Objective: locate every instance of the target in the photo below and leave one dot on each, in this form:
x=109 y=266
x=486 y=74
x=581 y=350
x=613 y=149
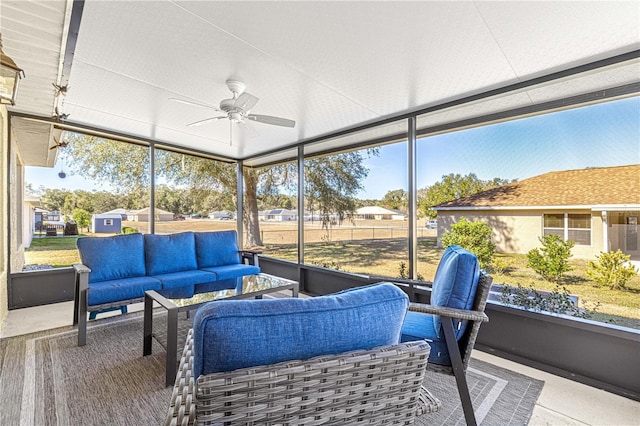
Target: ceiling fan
x=238 y=110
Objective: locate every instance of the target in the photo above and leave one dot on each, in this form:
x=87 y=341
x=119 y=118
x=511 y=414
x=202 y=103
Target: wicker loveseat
x=324 y=360
x=116 y=271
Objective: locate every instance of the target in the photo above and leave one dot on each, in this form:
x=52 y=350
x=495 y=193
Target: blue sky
x=600 y=135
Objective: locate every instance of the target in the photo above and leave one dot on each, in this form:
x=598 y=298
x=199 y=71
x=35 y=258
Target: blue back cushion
x=455 y=283
x=232 y=334
x=111 y=258
x=216 y=248
x=170 y=253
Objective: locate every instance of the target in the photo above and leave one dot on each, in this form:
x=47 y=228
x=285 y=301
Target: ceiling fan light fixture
x=235 y=116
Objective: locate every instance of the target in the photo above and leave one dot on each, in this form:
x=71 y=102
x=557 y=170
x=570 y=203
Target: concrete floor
x=561 y=402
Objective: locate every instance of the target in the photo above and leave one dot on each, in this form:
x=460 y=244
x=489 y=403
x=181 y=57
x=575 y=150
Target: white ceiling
x=327 y=65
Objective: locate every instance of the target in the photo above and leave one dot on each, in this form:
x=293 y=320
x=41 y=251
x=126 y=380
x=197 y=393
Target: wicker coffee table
x=253 y=286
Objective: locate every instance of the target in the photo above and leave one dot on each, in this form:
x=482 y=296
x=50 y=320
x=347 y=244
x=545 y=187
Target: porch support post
x=152 y=189
x=240 y=202
x=605 y=232
x=301 y=205
x=413 y=195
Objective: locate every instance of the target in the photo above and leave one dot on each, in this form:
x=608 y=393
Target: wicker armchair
x=451 y=349
x=332 y=359
x=378 y=386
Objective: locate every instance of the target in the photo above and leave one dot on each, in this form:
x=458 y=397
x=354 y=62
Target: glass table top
x=252 y=285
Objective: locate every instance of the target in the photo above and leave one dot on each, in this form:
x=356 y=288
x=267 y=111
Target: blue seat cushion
x=455 y=283
x=111 y=258
x=232 y=334
x=185 y=278
x=120 y=289
x=170 y=253
x=419 y=326
x=225 y=272
x=216 y=248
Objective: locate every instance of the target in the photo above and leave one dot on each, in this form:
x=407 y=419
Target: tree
x=452 y=187
x=82 y=218
x=331 y=182
x=398 y=199
x=53 y=199
x=477 y=237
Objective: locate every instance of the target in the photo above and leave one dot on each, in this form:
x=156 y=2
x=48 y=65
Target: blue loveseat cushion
x=170 y=253
x=185 y=278
x=419 y=326
x=120 y=289
x=111 y=258
x=455 y=283
x=232 y=334
x=216 y=249
x=225 y=272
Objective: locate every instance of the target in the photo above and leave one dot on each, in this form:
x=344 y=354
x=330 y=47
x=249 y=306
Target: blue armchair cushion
x=170 y=253
x=225 y=272
x=216 y=248
x=232 y=334
x=111 y=258
x=419 y=326
x=120 y=289
x=455 y=283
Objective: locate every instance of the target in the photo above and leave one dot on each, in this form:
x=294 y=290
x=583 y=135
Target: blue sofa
x=116 y=271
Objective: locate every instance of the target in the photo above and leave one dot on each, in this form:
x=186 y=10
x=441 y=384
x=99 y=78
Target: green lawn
x=55 y=251
x=384 y=257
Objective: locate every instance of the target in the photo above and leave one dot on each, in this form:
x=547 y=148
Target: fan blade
x=205 y=121
x=249 y=130
x=182 y=101
x=268 y=119
x=245 y=101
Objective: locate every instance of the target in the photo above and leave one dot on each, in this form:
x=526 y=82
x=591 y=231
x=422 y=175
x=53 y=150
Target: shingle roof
x=592 y=186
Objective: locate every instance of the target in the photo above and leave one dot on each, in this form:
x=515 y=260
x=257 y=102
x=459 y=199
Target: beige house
x=142 y=215
x=598 y=208
x=378 y=213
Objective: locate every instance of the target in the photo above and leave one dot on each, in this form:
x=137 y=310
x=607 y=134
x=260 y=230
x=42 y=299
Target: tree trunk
x=251 y=218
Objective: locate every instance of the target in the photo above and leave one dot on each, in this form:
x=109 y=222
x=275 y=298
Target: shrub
x=611 y=269
x=499 y=265
x=129 y=230
x=328 y=264
x=558 y=301
x=403 y=272
x=473 y=236
x=552 y=260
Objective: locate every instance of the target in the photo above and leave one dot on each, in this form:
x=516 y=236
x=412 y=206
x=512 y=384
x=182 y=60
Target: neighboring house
x=32 y=217
x=598 y=208
x=142 y=215
x=378 y=213
x=122 y=212
x=106 y=223
x=281 y=215
x=222 y=215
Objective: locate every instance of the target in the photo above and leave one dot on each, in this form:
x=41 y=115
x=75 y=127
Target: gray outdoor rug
x=45 y=379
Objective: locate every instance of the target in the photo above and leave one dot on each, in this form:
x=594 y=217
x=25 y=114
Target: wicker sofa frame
x=378 y=386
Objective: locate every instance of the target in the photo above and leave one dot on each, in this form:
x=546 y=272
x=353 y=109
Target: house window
x=569 y=226
x=108 y=222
